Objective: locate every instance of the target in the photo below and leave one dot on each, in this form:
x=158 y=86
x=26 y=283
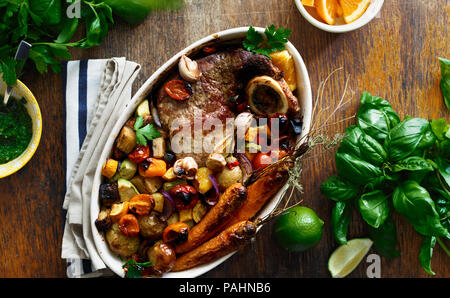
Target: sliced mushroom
x=266 y=96
x=189 y=69
x=185 y=168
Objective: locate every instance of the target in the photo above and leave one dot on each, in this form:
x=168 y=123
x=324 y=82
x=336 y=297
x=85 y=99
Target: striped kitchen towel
x=95 y=92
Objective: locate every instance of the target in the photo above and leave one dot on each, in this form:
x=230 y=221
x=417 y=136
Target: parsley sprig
x=135 y=269
x=148 y=132
x=272 y=41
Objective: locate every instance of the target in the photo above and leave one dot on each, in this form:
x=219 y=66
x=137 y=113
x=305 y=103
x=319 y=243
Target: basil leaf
x=440 y=128
x=374 y=208
x=376 y=116
x=356 y=170
x=413 y=163
x=406 y=137
x=385 y=239
x=414 y=203
x=337 y=189
x=445 y=80
x=443 y=168
x=371 y=150
x=426 y=252
x=350 y=143
x=340 y=220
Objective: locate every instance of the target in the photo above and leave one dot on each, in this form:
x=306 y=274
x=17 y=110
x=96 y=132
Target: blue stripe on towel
x=82 y=101
x=76 y=265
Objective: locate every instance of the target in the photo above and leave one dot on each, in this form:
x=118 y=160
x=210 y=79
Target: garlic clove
x=185 y=168
x=189 y=69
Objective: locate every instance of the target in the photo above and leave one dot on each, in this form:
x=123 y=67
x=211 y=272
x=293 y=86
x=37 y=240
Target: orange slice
x=339 y=10
x=327 y=10
x=309 y=3
x=353 y=9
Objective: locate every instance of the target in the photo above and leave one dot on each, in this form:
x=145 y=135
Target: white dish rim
x=110 y=259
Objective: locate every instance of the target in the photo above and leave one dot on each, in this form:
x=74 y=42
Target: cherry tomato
x=233 y=164
x=184 y=196
x=139 y=154
x=178 y=89
x=209 y=50
x=176 y=233
x=129 y=225
x=261 y=160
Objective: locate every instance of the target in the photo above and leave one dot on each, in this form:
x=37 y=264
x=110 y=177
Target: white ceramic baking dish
x=228 y=36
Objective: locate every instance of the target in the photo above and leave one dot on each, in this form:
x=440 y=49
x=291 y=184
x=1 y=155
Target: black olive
x=169 y=158
x=233 y=99
x=285 y=144
x=297 y=125
x=146 y=163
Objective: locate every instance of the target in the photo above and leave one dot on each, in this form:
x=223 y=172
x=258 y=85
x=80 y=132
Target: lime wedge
x=346 y=257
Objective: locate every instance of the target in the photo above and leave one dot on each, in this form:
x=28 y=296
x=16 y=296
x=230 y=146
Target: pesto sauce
x=16 y=129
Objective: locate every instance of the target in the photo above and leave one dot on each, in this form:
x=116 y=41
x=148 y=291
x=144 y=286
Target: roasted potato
x=228 y=177
x=138 y=182
x=162 y=257
x=202 y=181
x=169 y=175
x=121 y=244
x=158 y=147
x=199 y=211
x=151 y=227
x=185 y=215
x=152 y=184
x=126 y=140
x=103 y=221
x=159 y=202
x=118 y=210
x=175 y=217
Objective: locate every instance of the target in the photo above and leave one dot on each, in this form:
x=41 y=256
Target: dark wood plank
x=395 y=56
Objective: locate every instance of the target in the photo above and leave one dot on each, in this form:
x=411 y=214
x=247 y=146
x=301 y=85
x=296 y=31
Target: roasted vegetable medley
x=159 y=209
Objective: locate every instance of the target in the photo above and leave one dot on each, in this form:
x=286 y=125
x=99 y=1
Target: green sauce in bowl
x=16 y=129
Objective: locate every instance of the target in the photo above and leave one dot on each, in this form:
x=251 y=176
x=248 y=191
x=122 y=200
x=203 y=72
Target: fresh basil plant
x=388 y=166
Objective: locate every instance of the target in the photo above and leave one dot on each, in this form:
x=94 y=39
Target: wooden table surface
x=394 y=56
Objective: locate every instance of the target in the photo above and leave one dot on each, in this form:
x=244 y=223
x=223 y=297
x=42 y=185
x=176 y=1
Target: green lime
x=298 y=229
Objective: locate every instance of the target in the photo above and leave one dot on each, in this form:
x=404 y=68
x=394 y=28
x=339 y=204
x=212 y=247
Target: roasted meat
x=224 y=75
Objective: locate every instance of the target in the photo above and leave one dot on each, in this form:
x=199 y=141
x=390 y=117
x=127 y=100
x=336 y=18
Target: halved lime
x=346 y=257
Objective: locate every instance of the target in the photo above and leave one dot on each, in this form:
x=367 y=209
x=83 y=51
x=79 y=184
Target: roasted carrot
x=229 y=240
x=216 y=218
x=258 y=194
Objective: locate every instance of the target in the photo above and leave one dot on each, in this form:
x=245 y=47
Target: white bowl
x=304 y=94
x=373 y=9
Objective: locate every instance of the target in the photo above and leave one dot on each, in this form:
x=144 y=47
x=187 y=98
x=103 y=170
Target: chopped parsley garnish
x=148 y=132
x=135 y=269
x=272 y=41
